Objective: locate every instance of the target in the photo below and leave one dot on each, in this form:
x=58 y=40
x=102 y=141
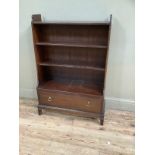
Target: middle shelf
x=71 y=66
x=71 y=45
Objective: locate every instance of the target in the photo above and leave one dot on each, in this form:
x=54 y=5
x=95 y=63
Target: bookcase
x=71 y=62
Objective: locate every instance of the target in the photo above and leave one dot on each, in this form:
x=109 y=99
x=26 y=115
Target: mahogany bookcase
x=71 y=62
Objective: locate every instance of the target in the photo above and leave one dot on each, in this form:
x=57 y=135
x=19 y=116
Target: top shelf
x=70 y=45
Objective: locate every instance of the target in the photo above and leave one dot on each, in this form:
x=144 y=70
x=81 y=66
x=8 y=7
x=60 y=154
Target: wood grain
x=57 y=134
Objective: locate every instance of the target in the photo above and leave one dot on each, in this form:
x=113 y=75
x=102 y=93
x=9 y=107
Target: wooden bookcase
x=71 y=61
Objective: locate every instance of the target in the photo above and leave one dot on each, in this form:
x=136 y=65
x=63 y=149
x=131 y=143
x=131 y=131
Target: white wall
x=120 y=77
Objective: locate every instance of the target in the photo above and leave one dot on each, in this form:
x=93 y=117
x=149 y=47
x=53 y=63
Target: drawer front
x=88 y=104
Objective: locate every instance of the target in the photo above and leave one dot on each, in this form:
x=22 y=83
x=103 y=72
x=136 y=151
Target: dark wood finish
x=35 y=22
x=70 y=45
x=36 y=17
x=70 y=101
x=39 y=111
x=71 y=61
x=73 y=86
x=70 y=111
x=71 y=66
x=101 y=121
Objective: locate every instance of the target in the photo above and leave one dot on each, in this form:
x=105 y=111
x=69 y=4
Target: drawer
x=88 y=104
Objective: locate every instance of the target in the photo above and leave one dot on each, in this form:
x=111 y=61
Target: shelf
x=72 y=66
x=71 y=23
x=70 y=45
x=72 y=86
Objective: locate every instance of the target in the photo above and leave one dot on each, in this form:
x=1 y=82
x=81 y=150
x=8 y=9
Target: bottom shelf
x=73 y=86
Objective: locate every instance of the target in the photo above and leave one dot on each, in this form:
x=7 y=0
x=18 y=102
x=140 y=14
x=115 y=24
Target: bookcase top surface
x=71 y=22
x=36 y=19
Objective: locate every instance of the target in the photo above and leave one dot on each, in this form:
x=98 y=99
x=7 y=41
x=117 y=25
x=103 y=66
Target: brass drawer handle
x=49 y=98
x=88 y=104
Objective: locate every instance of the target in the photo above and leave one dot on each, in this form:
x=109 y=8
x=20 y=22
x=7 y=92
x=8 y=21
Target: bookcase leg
x=101 y=121
x=102 y=112
x=39 y=111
